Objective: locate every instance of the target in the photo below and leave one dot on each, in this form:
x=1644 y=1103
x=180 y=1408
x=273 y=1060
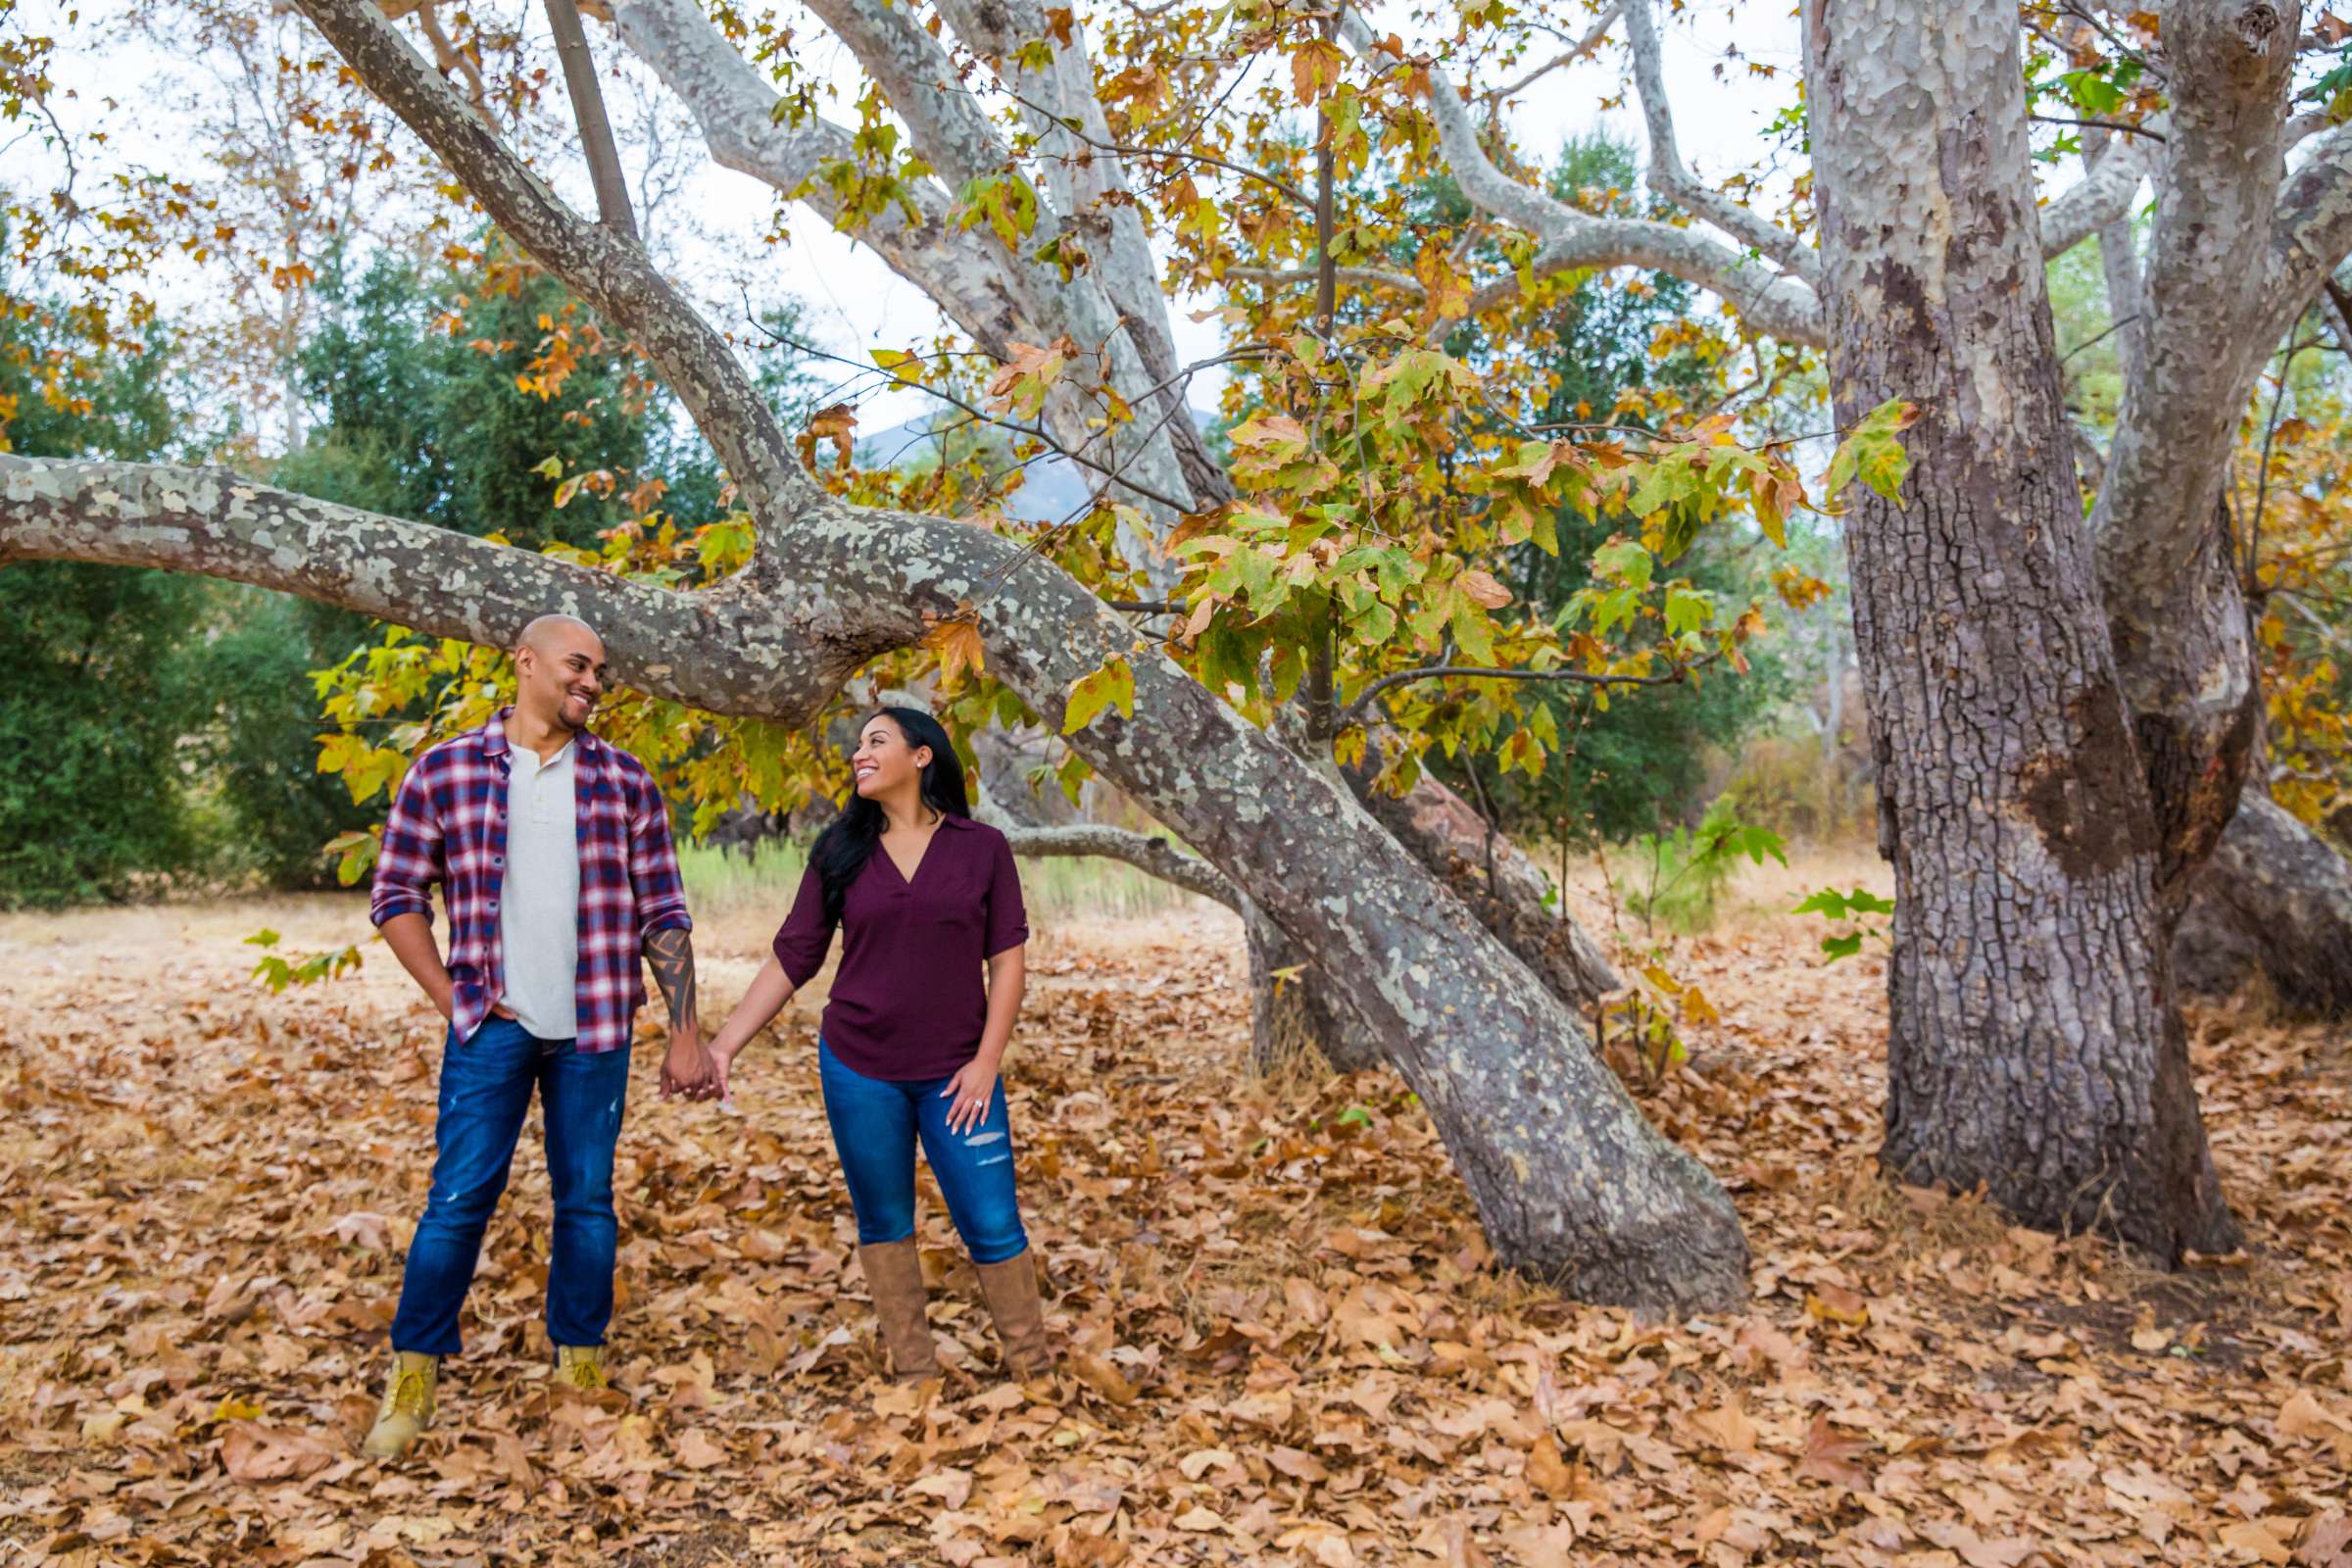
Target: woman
x=911 y=1043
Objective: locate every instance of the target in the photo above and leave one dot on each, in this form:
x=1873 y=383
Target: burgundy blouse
x=909 y=1000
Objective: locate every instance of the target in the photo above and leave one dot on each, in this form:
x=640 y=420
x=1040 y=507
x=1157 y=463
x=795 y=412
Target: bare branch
x=2121 y=127
x=2102 y=197
x=1673 y=179
x=1144 y=852
x=1353 y=276
x=1177 y=155
x=588 y=108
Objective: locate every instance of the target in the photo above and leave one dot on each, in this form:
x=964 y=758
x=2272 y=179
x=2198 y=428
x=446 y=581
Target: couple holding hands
x=553 y=853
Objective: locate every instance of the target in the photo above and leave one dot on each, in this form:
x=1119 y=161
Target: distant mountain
x=1055 y=488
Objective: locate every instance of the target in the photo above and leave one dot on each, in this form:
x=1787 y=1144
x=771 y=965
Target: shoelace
x=408 y=1394
x=585 y=1375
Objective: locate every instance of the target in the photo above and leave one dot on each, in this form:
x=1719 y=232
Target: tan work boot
x=581 y=1366
x=408 y=1407
x=1010 y=1287
x=894 y=1274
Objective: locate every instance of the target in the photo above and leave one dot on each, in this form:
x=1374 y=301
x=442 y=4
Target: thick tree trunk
x=2275 y=902
x=2033 y=1047
x=1293 y=1005
x=1500 y=882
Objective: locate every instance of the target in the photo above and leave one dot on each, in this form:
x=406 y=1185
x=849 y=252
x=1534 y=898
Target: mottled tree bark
x=2034 y=1049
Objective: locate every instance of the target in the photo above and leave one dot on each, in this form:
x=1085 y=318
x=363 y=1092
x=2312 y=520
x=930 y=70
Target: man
x=554 y=854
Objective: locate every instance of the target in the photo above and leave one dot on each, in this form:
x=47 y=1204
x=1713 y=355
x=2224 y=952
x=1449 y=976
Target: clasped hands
x=690 y=1069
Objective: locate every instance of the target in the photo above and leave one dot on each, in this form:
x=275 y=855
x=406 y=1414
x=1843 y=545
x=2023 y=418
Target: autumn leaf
x=957 y=646
x=837 y=424
x=1835 y=1303
x=1829 y=1456
x=1484 y=588
x=251 y=1451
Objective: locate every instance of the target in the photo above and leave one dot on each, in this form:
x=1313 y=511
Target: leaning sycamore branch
x=922 y=85
x=2101 y=198
x=713 y=650
x=1671 y=179
x=2312 y=226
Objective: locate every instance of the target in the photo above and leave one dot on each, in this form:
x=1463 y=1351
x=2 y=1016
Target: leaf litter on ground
x=1286 y=1340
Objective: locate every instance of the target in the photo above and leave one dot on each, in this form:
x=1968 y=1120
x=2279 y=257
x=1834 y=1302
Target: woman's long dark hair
x=848 y=841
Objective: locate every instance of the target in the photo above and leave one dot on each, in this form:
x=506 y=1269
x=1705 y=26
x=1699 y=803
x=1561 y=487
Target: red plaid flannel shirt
x=449 y=826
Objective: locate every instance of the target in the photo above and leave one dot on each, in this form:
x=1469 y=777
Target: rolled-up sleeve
x=1007 y=915
x=410 y=860
x=802 y=940
x=654 y=875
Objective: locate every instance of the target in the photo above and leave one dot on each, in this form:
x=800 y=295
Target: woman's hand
x=723 y=1052
x=972 y=1088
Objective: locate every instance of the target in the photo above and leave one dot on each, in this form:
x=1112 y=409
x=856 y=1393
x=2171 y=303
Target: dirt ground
x=1285 y=1340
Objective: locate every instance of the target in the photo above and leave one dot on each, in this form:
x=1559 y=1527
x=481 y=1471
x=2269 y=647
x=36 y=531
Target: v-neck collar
x=907 y=882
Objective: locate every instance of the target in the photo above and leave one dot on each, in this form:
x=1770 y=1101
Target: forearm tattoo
x=671 y=953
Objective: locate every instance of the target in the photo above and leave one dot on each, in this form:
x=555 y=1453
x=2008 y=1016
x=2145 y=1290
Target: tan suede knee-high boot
x=1010 y=1287
x=894 y=1273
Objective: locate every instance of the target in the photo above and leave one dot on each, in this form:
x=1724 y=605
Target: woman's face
x=883 y=762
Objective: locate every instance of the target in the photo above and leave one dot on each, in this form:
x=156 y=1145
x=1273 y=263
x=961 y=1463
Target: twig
x=1036 y=432
x=2099 y=124
x=1063 y=122
x=1354 y=713
x=2113 y=327
x=1591 y=41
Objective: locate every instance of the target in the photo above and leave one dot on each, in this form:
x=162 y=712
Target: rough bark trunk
x=1503 y=886
x=2275 y=902
x=2033 y=1047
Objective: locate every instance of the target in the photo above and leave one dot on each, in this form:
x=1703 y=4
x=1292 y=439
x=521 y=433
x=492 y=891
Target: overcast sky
x=853 y=302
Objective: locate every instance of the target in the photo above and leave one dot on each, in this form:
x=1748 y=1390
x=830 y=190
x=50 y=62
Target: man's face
x=561 y=674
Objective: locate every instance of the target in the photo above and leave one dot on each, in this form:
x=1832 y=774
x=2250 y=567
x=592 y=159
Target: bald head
x=542 y=634
x=558 y=672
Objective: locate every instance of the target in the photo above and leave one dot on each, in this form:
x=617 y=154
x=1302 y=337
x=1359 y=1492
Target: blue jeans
x=875 y=1125
x=486 y=1085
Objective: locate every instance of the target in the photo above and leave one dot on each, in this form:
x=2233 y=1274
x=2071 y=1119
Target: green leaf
x=1624 y=558
x=1112 y=684
x=1845 y=947
x=1688 y=610
x=1473 y=629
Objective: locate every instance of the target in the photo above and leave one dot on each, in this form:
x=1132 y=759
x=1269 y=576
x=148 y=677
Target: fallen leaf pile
x=1284 y=1338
